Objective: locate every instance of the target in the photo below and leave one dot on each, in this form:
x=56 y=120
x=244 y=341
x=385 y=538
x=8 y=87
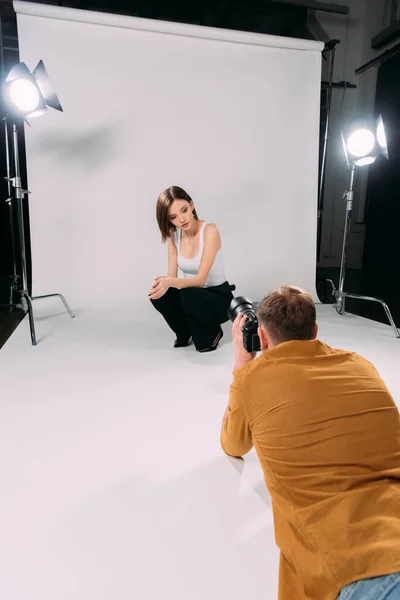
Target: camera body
x=242 y=305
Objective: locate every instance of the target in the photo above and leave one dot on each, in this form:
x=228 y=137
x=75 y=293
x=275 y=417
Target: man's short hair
x=288 y=313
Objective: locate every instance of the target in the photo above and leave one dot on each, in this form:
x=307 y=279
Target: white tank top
x=190 y=266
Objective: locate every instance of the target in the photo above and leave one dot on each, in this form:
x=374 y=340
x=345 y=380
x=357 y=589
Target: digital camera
x=242 y=305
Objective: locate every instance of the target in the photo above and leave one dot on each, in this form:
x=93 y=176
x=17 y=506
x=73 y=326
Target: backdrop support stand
x=329 y=47
x=19 y=194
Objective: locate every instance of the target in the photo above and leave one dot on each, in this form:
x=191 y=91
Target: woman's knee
x=158 y=304
x=165 y=299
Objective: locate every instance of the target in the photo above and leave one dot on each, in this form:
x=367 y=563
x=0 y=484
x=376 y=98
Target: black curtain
x=381 y=262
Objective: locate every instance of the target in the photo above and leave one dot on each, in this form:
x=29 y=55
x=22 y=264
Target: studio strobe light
x=24 y=95
x=30 y=94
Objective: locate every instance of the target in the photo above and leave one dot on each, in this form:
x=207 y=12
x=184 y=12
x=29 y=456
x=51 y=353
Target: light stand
x=43 y=95
x=339 y=293
x=19 y=194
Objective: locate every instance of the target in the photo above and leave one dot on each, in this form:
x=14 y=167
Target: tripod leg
x=31 y=320
x=389 y=316
x=382 y=302
x=71 y=314
x=332 y=285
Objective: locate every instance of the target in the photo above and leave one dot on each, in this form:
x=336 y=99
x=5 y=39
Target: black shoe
x=214 y=345
x=182 y=342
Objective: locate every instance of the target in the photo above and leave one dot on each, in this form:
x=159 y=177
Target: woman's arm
x=212 y=243
x=172 y=258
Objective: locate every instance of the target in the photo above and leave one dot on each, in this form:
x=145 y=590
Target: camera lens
x=241 y=305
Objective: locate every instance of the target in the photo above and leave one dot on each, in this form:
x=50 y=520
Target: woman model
x=195 y=305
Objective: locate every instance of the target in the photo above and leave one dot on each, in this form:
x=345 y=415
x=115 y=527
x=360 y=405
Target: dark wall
x=381 y=265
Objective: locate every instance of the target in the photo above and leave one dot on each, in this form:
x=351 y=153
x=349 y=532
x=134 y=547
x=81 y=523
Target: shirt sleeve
x=236 y=437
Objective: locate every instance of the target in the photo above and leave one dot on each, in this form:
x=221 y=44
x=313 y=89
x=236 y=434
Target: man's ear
x=316 y=331
x=263 y=339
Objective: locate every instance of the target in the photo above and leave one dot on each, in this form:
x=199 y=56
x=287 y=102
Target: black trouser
x=196 y=312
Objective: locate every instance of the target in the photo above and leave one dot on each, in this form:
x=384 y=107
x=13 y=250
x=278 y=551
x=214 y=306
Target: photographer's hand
x=160 y=286
x=242 y=357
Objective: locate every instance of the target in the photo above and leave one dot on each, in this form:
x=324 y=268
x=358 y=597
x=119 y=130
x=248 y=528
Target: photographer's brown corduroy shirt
x=327 y=433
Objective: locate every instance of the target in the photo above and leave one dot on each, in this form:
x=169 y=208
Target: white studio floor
x=113 y=484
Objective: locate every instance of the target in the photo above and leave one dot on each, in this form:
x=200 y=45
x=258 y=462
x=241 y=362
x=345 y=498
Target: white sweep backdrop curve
x=232 y=117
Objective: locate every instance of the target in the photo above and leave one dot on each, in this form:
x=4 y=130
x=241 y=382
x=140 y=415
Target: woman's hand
x=160 y=286
x=242 y=357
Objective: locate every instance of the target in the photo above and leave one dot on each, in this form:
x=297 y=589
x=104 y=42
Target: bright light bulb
x=24 y=95
x=361 y=142
x=380 y=135
x=37 y=113
x=367 y=160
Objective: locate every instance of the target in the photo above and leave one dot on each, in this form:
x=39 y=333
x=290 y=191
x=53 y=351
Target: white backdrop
x=232 y=117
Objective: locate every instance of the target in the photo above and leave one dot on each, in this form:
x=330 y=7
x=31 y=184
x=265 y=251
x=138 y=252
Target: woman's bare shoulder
x=212 y=235
x=211 y=228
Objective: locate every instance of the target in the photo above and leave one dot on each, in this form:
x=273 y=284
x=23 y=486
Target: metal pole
x=330 y=46
x=19 y=196
x=14 y=277
x=328 y=106
x=349 y=195
x=339 y=294
x=11 y=206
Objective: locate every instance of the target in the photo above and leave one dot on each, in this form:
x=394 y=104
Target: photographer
x=327 y=433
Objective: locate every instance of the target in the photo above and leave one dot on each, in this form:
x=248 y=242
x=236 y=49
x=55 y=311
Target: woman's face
x=181 y=214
